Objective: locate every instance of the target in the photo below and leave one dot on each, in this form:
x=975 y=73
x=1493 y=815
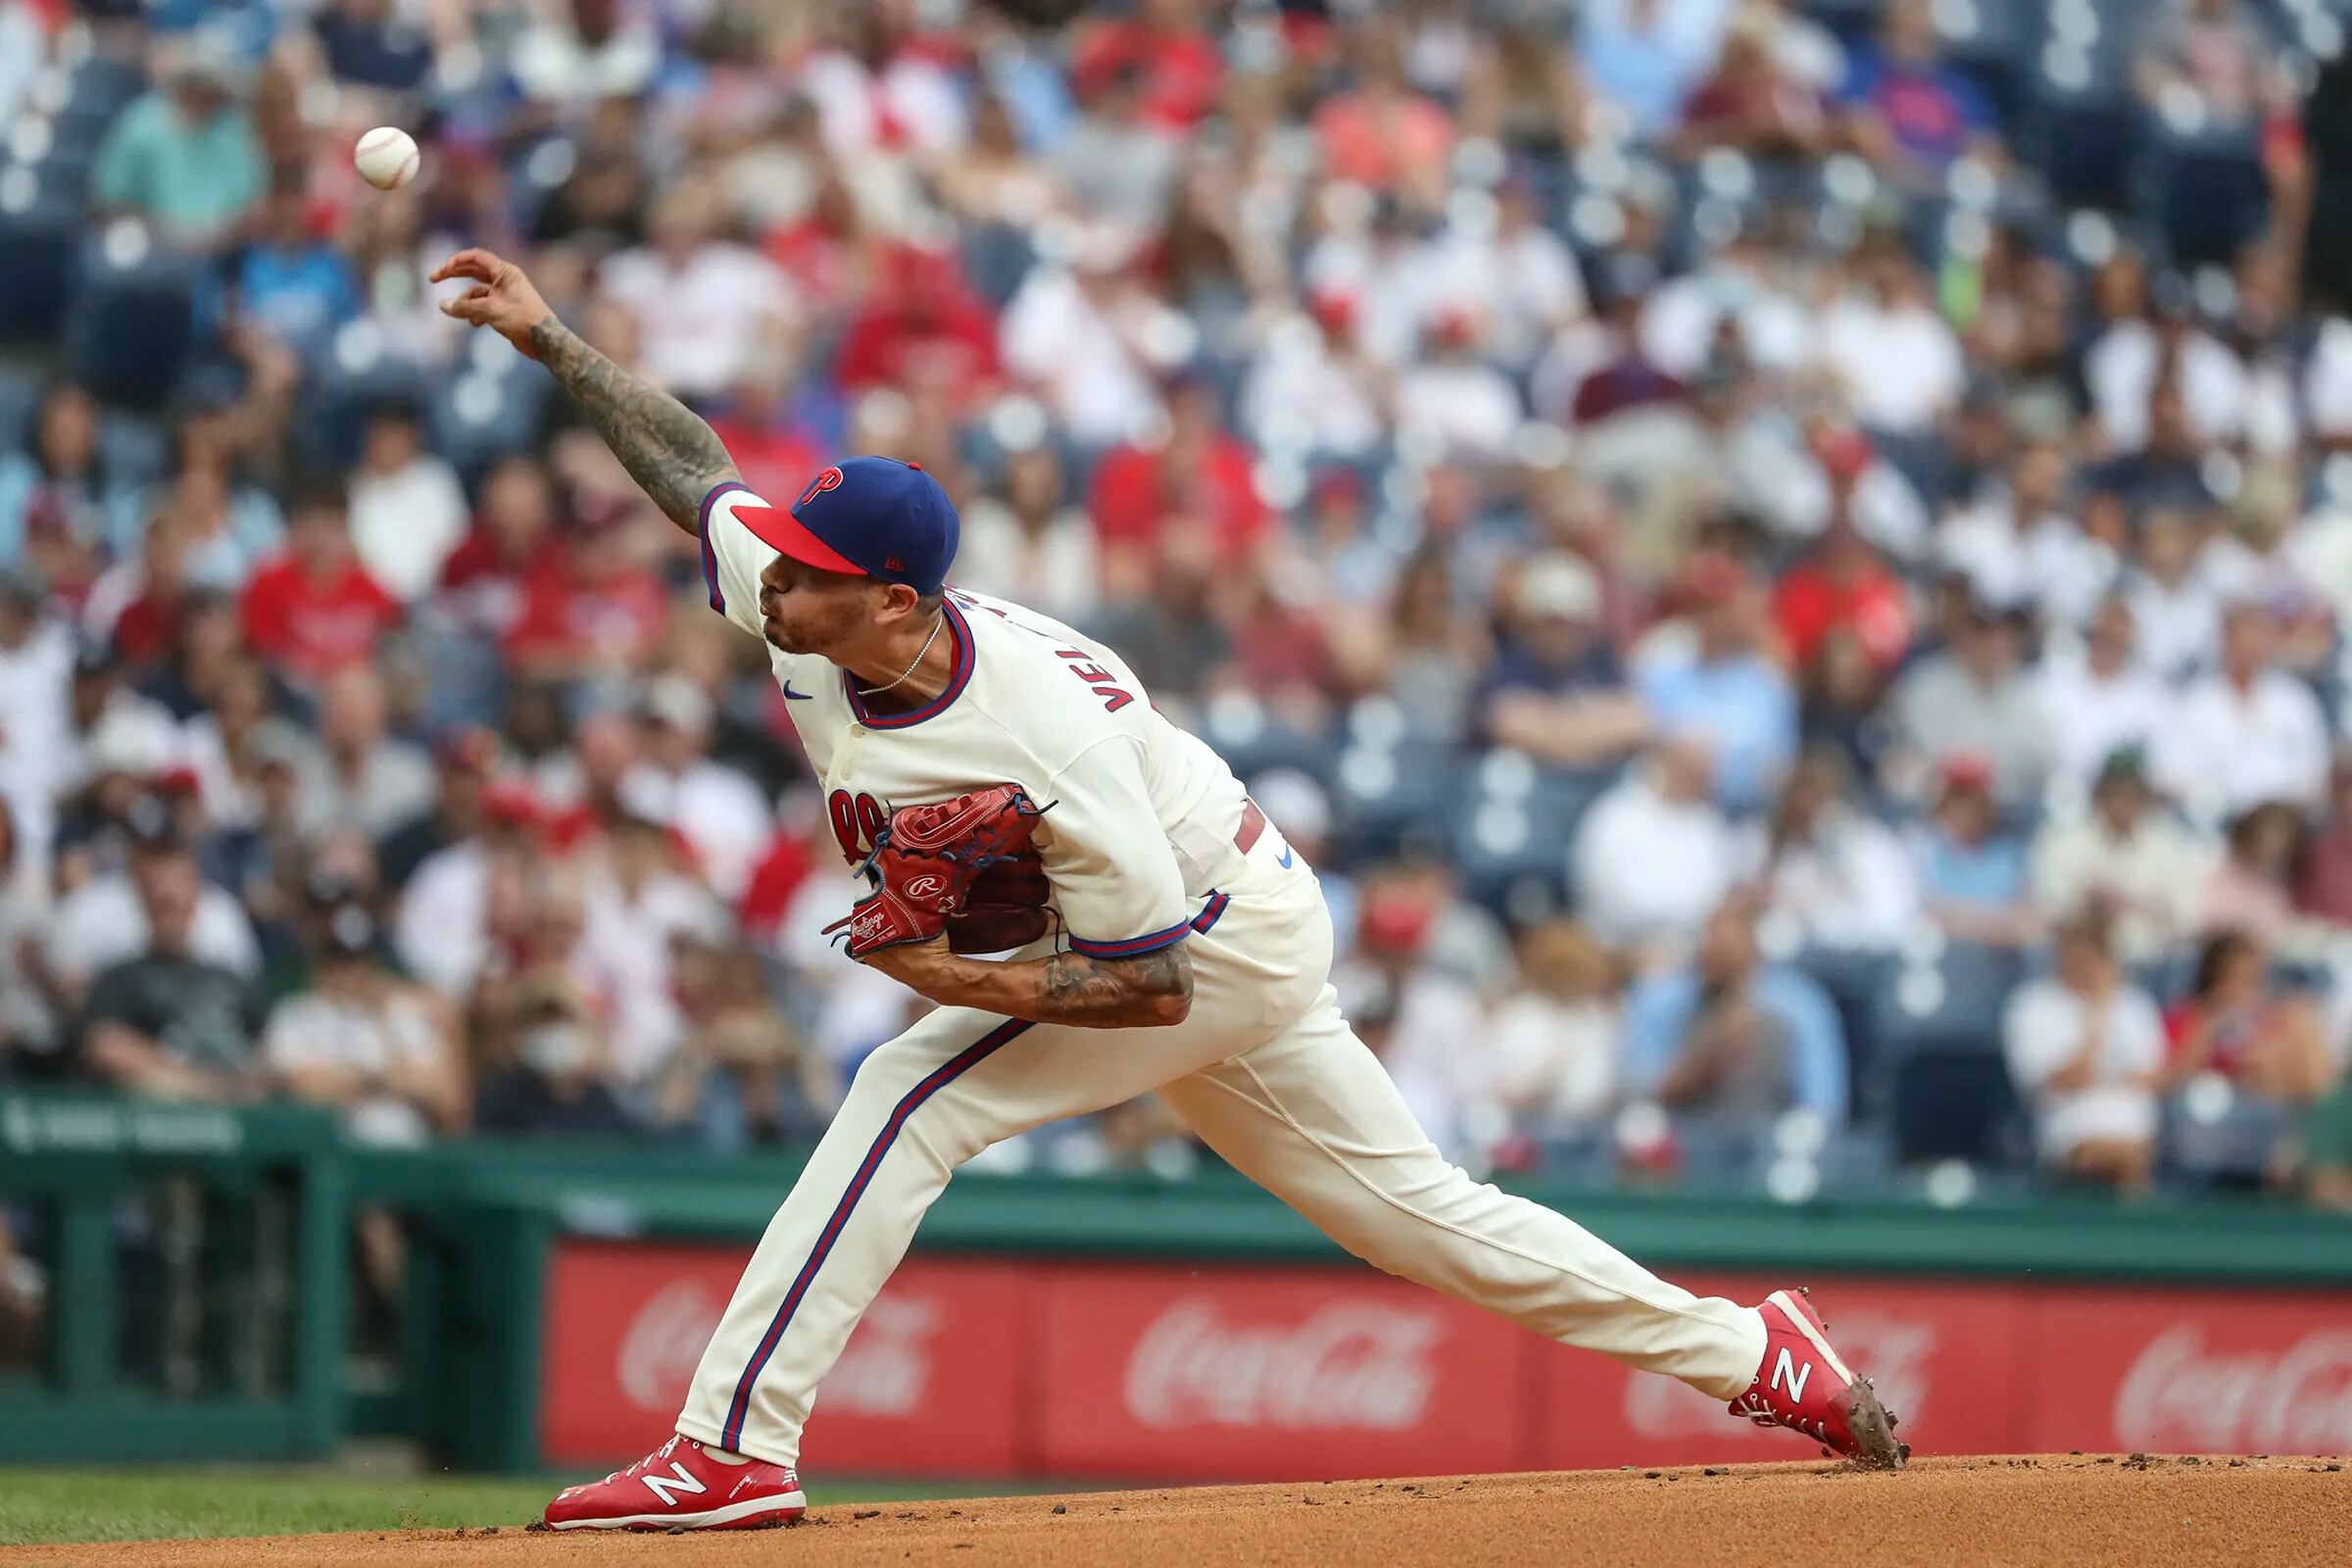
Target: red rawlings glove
x=927 y=860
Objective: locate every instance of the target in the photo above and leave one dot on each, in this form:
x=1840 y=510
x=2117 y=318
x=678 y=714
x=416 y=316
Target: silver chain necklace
x=875 y=691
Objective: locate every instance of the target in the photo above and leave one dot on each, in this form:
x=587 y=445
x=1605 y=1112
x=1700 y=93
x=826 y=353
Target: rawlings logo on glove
x=962 y=867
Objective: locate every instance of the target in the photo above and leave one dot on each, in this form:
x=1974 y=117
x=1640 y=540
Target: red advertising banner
x=2187 y=1372
x=929 y=1384
x=1277 y=1374
x=993 y=1368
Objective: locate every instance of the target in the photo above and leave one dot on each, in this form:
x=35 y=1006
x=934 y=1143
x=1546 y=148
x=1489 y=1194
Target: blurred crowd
x=1787 y=561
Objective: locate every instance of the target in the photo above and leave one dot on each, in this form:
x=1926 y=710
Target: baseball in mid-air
x=386 y=158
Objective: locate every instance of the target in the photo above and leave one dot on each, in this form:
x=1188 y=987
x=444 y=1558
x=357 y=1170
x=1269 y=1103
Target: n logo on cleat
x=1785 y=1367
x=665 y=1488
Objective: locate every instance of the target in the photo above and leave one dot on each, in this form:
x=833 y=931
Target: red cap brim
x=782 y=532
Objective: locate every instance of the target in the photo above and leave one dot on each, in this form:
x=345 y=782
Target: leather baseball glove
x=962 y=867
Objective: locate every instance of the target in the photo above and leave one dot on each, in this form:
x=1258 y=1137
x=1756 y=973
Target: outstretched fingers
x=481 y=266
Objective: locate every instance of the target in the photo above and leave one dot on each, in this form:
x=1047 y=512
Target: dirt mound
x=2081 y=1511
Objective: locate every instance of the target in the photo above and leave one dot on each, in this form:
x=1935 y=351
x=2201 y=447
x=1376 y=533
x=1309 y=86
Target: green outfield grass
x=66 y=1505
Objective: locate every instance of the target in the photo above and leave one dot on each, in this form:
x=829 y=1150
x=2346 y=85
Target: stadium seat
x=1956 y=1106
x=38 y=241
x=132 y=330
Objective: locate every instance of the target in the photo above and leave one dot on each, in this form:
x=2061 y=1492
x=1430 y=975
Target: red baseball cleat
x=680 y=1486
x=1802 y=1386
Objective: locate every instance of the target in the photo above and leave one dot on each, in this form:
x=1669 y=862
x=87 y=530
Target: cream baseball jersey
x=1136 y=809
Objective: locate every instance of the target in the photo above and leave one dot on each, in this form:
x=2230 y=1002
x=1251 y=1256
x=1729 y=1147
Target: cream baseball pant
x=1267 y=1073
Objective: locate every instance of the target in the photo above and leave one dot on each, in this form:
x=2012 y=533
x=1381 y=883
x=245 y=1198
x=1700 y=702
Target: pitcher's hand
x=502 y=298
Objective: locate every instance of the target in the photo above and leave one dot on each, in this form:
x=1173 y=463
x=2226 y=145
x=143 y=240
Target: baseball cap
x=865 y=516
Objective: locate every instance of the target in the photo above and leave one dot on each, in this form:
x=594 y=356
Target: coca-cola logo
x=664 y=1341
x=2178 y=1395
x=887 y=1364
x=1345 y=1365
x=1893 y=1353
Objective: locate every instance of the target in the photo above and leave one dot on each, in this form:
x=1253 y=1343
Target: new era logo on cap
x=869 y=516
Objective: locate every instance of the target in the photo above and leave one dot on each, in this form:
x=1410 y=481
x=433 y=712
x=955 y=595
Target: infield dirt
x=2083 y=1511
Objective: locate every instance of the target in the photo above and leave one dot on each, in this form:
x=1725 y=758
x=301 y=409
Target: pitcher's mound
x=2082 y=1511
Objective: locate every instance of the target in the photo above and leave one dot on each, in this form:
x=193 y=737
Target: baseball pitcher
x=1007 y=784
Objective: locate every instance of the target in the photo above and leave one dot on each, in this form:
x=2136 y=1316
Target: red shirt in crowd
x=1137 y=490
x=775 y=459
x=1182 y=71
x=313 y=626
x=1814 y=600
x=571 y=616
x=922 y=324
x=486 y=586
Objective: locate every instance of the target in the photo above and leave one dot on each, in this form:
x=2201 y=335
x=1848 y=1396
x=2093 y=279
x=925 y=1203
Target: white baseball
x=386 y=158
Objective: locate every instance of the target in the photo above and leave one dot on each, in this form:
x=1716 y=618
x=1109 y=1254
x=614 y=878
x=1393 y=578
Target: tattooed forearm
x=1154 y=989
x=671 y=454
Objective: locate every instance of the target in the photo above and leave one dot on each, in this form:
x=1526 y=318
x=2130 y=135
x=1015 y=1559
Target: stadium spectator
x=1910 y=110
x=184 y=157
x=2126 y=858
x=2098 y=699
x=1972 y=700
x=58 y=503
x=1826 y=869
x=407 y=512
x=740 y=1078
x=164 y=1020
x=2250 y=888
x=1027 y=541
x=107 y=920
x=1653 y=857
x=2237 y=1022
x=316 y=609
x=2087 y=1049
x=1972 y=871
x=555 y=1079
x=361 y=776
x=380 y=1050
x=1727 y=1043
x=1720 y=686
x=2248 y=734
x=1556 y=692
x=1556 y=1036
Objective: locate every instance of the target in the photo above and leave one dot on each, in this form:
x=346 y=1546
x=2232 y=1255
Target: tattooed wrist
x=1155 y=988
x=673 y=456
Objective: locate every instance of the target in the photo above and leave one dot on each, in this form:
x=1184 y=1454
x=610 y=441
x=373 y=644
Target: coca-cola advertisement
x=976 y=1370
x=927 y=1385
x=2192 y=1371
x=1270 y=1373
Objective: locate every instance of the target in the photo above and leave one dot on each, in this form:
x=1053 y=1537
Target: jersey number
x=856 y=821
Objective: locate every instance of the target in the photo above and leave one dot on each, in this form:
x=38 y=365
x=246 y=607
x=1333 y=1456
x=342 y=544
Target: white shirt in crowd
x=2153 y=877
x=2180 y=628
x=405 y=524
x=2042 y=1031
x=1055 y=569
x=312 y=1029
x=911 y=104
x=1901 y=364
x=100 y=924
x=716 y=808
x=1678 y=324
x=2051 y=563
x=1647 y=869
x=1301 y=397
x=2121 y=371
x=2091 y=718
x=2225 y=750
x=1469 y=408
x=441 y=928
x=1556 y=1058
x=1850 y=886
x=699 y=323
x=1090 y=359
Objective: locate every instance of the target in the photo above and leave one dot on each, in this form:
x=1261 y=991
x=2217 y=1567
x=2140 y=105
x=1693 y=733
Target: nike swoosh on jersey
x=798 y=697
x=1284 y=862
